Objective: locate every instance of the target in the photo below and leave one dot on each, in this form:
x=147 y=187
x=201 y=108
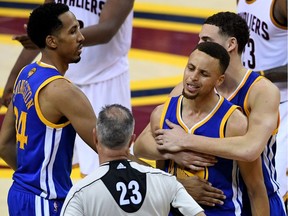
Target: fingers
x=203 y=191
x=212 y=196
x=159 y=140
x=211 y=199
x=25 y=41
x=6 y=99
x=195 y=168
x=159 y=132
x=169 y=123
x=20 y=38
x=208 y=201
x=199 y=164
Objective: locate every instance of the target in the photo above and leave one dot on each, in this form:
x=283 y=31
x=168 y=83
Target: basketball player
x=119 y=186
x=200 y=110
x=259 y=100
x=38 y=132
x=103 y=72
x=266 y=52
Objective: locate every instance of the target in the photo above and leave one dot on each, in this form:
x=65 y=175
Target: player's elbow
x=250 y=155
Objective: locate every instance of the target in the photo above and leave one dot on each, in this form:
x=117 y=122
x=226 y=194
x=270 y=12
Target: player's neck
x=48 y=58
x=233 y=77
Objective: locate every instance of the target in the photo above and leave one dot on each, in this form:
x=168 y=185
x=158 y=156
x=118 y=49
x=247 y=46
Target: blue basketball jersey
x=44 y=149
x=239 y=97
x=222 y=174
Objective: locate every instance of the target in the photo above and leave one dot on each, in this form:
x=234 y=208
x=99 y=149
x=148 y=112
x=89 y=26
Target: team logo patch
x=31 y=72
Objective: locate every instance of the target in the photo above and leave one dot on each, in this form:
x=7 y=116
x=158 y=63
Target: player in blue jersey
x=257 y=96
x=107 y=28
x=38 y=132
x=200 y=110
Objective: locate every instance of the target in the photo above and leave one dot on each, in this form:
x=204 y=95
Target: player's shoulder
x=264 y=88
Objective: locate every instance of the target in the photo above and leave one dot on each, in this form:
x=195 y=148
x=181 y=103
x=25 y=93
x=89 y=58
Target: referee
x=120 y=186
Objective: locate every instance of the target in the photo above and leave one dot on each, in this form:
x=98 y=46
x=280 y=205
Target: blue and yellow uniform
x=222 y=175
x=44 y=149
x=239 y=97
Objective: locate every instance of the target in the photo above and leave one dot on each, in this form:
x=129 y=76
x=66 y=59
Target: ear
x=220 y=80
x=51 y=42
x=132 y=139
x=232 y=44
x=95 y=139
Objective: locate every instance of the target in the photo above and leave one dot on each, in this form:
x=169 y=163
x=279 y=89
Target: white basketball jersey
x=267 y=46
x=100 y=62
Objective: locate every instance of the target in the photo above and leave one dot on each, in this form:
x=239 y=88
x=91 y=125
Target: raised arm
x=113 y=15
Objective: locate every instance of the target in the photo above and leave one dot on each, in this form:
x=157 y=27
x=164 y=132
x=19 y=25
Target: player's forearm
x=234 y=148
x=259 y=201
x=26 y=57
x=278 y=74
x=9 y=156
x=252 y=175
x=112 y=17
x=259 y=207
x=8 y=139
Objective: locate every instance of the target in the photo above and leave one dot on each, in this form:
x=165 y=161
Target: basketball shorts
x=25 y=203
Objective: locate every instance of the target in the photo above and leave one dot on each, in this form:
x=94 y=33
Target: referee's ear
x=95 y=139
x=132 y=140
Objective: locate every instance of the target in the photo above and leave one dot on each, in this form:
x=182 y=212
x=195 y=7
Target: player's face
x=69 y=39
x=210 y=33
x=201 y=75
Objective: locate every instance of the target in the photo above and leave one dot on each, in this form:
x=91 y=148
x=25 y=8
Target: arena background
x=164 y=33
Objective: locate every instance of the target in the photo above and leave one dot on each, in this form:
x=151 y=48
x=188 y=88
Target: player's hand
x=169 y=139
x=6 y=97
x=25 y=41
x=202 y=191
x=192 y=160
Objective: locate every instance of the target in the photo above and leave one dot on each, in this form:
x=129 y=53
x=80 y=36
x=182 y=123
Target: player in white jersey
x=103 y=72
x=119 y=186
x=266 y=51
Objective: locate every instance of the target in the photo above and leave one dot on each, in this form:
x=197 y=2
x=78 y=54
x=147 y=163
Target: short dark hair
x=217 y=51
x=232 y=25
x=115 y=125
x=43 y=21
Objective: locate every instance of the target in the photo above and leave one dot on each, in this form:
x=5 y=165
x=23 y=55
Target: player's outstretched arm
x=112 y=17
x=63 y=99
